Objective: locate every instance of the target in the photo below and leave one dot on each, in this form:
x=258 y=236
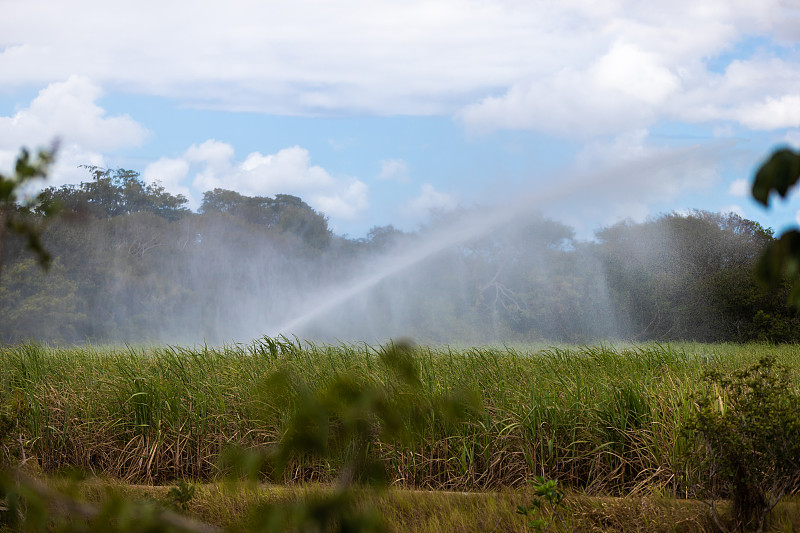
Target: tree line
x=132 y=263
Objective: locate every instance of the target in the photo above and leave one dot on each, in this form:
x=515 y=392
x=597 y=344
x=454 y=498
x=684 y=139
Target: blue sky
x=377 y=112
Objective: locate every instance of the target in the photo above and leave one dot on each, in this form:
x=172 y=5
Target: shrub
x=747 y=426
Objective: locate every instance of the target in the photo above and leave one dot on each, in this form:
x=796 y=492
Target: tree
x=287 y=216
x=36 y=305
x=116 y=192
x=382 y=238
x=674 y=277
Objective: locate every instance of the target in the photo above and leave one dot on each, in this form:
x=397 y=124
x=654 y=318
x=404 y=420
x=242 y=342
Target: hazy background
x=133 y=264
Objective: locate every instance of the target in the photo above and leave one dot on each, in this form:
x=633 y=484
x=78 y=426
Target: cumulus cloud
x=212 y=152
x=346 y=204
x=733 y=208
x=630 y=87
x=68 y=111
x=213 y=164
x=572 y=67
x=654 y=68
x=171 y=173
x=287 y=171
x=772 y=113
x=634 y=73
x=429 y=200
x=740 y=187
x=393 y=169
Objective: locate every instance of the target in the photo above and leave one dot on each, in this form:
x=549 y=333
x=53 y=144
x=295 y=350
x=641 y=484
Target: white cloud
x=70 y=159
x=635 y=73
x=797 y=217
x=289 y=171
x=69 y=162
x=68 y=111
x=571 y=67
x=394 y=169
x=740 y=187
x=565 y=104
x=632 y=87
x=655 y=68
x=345 y=204
x=623 y=88
x=301 y=56
x=429 y=200
x=773 y=113
x=734 y=208
x=212 y=152
x=171 y=173
x=212 y=164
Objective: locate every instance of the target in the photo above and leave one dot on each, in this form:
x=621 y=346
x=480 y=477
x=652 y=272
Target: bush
x=747 y=426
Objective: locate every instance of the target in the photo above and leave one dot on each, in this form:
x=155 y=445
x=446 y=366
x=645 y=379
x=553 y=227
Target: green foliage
x=778 y=174
x=36 y=305
x=598 y=419
x=15 y=217
x=284 y=214
x=181 y=494
x=27 y=504
x=748 y=427
x=342 y=424
x=542 y=512
x=139 y=270
x=689 y=277
x=780 y=261
x=116 y=192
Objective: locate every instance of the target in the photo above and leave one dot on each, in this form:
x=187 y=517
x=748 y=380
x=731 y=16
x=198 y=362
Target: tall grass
x=599 y=418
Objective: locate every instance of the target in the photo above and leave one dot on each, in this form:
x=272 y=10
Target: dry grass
x=230 y=506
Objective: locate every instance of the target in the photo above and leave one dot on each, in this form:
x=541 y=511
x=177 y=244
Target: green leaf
x=779 y=174
x=780 y=259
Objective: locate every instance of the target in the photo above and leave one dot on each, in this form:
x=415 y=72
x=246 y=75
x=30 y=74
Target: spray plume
x=635 y=178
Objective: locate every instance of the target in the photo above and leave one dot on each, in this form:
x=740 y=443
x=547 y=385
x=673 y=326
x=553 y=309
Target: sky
x=380 y=112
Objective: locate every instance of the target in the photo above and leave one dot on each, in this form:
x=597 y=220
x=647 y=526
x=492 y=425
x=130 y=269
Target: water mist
x=370 y=305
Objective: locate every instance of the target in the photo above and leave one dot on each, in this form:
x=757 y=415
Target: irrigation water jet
x=636 y=176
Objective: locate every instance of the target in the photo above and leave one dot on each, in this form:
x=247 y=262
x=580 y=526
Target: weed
x=547 y=495
x=180 y=495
